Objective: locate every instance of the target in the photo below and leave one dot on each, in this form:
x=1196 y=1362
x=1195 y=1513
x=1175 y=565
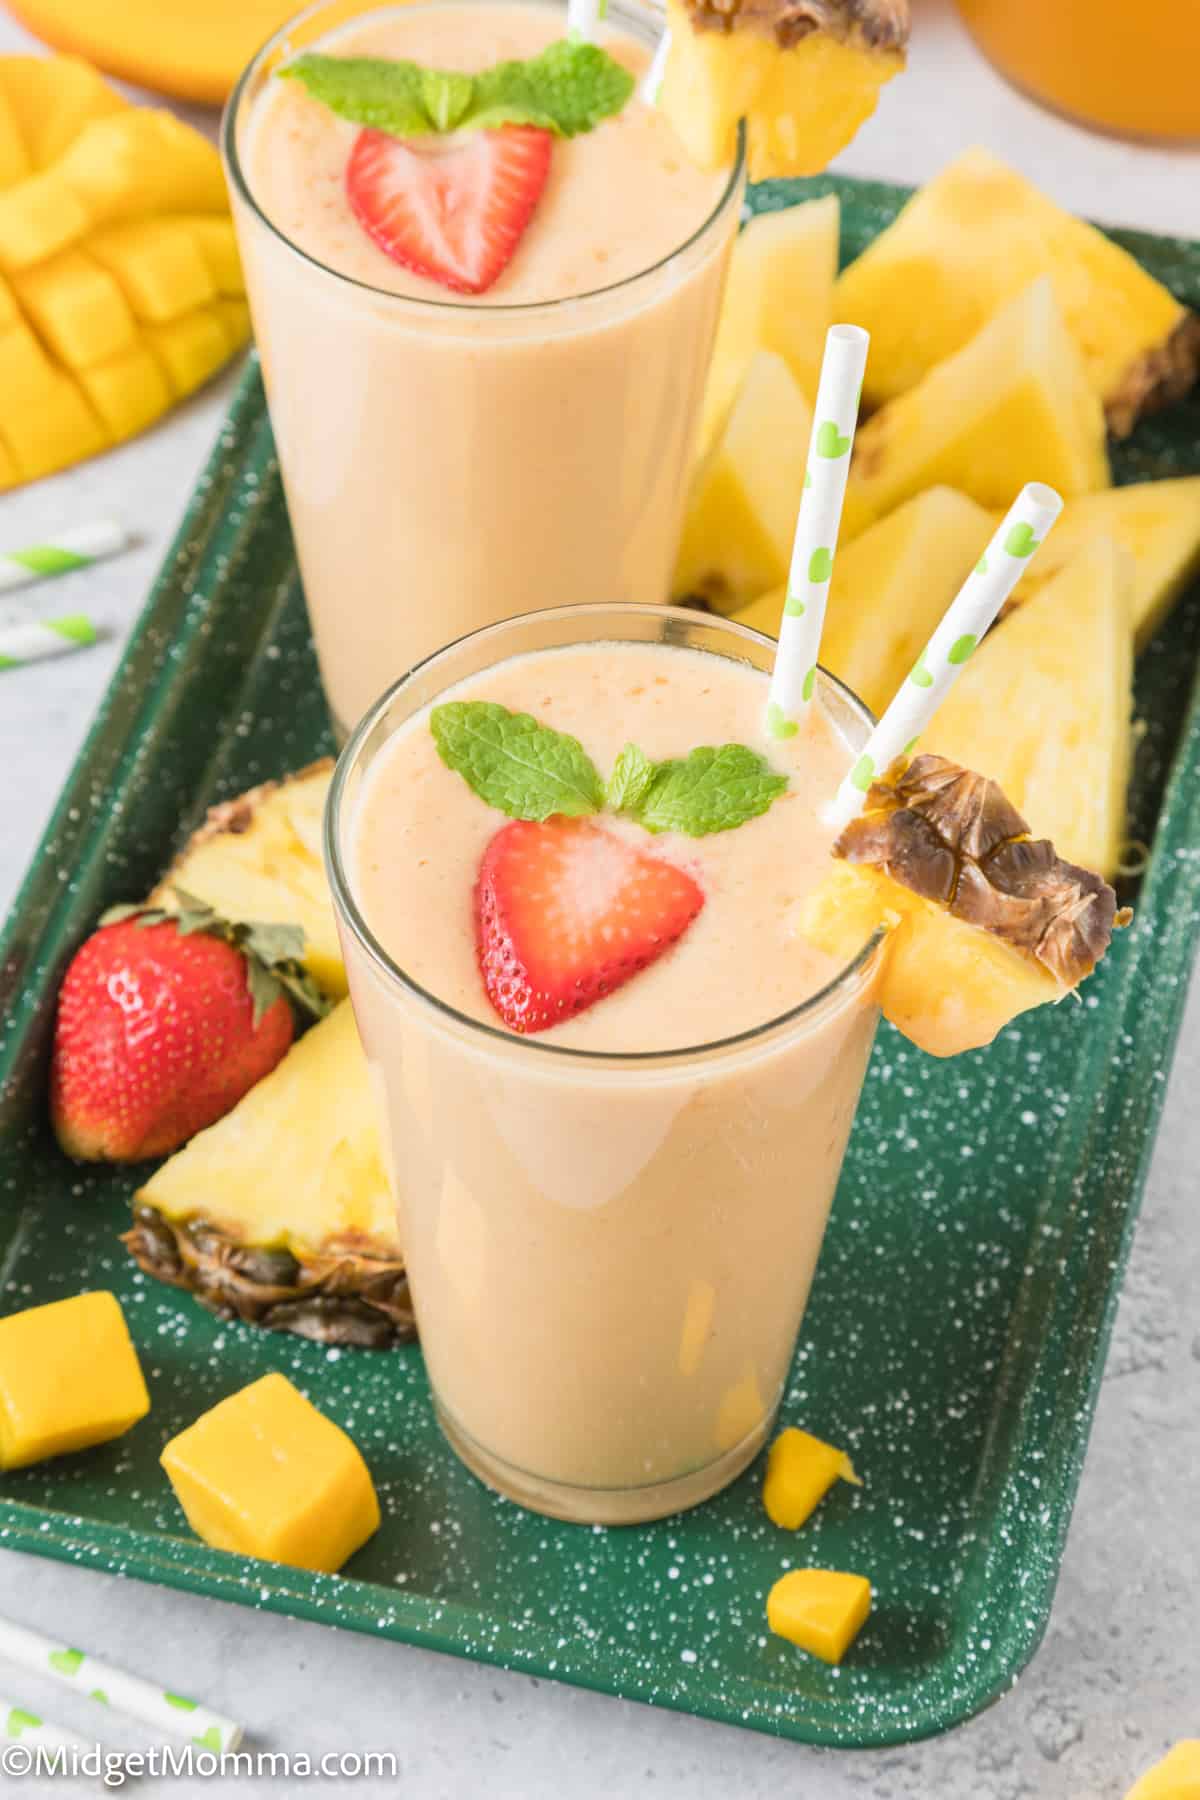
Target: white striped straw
x=19 y=1725
x=1029 y=518
x=75 y=548
x=583 y=16
x=794 y=677
x=652 y=80
x=33 y=640
x=128 y=1694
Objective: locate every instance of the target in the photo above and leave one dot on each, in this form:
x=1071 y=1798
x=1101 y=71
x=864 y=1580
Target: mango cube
x=265 y=1474
x=821 y=1610
x=158 y=264
x=800 y=1472
x=46 y=421
x=741 y=516
x=1176 y=1777
x=191 y=347
x=128 y=391
x=69 y=1378
x=76 y=308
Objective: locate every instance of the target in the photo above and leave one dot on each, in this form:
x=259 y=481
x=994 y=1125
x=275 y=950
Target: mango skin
x=69 y=1378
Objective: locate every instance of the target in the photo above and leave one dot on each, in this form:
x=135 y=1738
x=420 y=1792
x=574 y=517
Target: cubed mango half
x=265 y=1474
x=800 y=1472
x=821 y=1610
x=69 y=1378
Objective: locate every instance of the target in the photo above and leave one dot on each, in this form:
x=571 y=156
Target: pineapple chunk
x=778 y=296
x=259 y=858
x=1044 y=706
x=741 y=515
x=1175 y=1777
x=1012 y=406
x=1157 y=522
x=69 y=1378
x=803 y=97
x=967 y=244
x=265 y=1474
x=890 y=588
x=821 y=1610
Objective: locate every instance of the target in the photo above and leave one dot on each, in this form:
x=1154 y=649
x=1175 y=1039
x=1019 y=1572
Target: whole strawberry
x=164 y=1021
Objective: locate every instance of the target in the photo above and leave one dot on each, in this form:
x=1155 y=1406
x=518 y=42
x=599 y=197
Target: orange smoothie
x=611 y=1225
x=449 y=456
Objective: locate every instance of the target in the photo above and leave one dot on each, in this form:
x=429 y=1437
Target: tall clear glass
x=445 y=463
x=610 y=1255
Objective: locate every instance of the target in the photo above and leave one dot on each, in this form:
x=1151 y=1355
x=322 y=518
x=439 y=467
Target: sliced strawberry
x=566 y=912
x=450 y=208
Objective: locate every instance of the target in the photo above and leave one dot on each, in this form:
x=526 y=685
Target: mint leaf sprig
x=567 y=89
x=530 y=771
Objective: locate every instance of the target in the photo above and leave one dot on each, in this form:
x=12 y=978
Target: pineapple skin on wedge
x=967 y=244
x=741 y=512
x=1045 y=704
x=801 y=104
x=258 y=857
x=281 y=1214
x=1013 y=405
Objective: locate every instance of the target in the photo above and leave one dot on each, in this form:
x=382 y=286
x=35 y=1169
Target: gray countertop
x=1118 y=1677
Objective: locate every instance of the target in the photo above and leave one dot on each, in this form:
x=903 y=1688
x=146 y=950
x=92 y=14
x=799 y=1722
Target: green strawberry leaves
x=530 y=771
x=569 y=88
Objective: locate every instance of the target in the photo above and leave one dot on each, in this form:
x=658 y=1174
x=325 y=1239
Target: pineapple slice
x=281 y=1213
x=778 y=296
x=259 y=857
x=967 y=244
x=1045 y=705
x=803 y=76
x=741 y=514
x=890 y=588
x=1013 y=405
x=123 y=289
x=1157 y=522
x=982 y=921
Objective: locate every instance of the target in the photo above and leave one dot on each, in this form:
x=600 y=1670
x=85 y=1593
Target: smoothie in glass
x=450 y=459
x=611 y=1222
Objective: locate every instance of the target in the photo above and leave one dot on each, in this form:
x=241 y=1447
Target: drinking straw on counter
x=74 y=548
x=794 y=677
x=129 y=1694
x=939 y=665
x=32 y=640
x=19 y=1725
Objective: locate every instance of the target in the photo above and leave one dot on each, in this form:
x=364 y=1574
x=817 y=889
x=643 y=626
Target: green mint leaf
x=630 y=782
x=713 y=789
x=445 y=97
x=515 y=764
x=568 y=88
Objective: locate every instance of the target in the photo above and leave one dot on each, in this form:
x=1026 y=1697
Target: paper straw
x=583 y=16
x=110 y=1687
x=19 y=1725
x=794 y=677
x=652 y=80
x=32 y=640
x=943 y=659
x=72 y=549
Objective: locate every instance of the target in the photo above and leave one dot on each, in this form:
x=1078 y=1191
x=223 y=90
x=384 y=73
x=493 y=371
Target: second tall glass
x=448 y=463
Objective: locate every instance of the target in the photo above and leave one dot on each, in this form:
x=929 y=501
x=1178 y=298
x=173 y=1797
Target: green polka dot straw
x=793 y=680
x=948 y=651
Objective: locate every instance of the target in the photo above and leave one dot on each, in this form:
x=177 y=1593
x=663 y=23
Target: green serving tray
x=957 y=1330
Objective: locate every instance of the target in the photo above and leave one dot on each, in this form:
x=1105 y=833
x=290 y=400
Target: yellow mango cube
x=158 y=264
x=38 y=217
x=821 y=1610
x=53 y=98
x=191 y=348
x=14 y=158
x=1176 y=1777
x=800 y=1472
x=128 y=391
x=235 y=318
x=217 y=244
x=47 y=421
x=139 y=162
x=76 y=308
x=9 y=473
x=265 y=1474
x=69 y=1378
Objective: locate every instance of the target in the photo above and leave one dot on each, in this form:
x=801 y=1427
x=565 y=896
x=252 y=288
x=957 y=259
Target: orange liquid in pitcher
x=1127 y=68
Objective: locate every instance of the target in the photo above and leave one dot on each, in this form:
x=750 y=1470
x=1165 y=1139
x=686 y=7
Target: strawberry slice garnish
x=566 y=912
x=451 y=208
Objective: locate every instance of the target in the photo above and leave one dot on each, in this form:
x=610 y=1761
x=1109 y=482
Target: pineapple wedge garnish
x=259 y=857
x=983 y=922
x=1013 y=405
x=778 y=296
x=741 y=512
x=1045 y=702
x=281 y=1213
x=890 y=588
x=804 y=74
x=967 y=243
x=1157 y=522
